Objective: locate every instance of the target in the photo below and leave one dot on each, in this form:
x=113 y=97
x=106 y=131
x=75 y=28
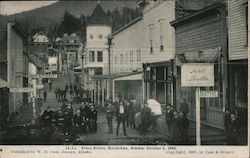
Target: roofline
x=99 y=25
x=128 y=25
x=160 y=63
x=196 y=14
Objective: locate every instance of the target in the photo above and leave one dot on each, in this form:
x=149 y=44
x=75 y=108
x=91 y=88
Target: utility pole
x=110 y=38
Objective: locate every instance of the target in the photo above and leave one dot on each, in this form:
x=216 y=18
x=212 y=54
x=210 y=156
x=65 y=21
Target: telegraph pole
x=110 y=38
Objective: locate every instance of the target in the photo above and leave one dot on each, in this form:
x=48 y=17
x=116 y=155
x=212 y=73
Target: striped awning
x=202 y=56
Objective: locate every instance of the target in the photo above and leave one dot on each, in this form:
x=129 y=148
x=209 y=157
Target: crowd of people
x=83 y=121
x=130 y=114
x=177 y=123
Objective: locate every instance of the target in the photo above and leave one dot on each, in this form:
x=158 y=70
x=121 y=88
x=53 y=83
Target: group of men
x=125 y=112
x=74 y=92
x=178 y=123
x=84 y=121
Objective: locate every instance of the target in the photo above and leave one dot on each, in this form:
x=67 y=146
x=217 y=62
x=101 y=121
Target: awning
x=115 y=76
x=78 y=67
x=202 y=56
x=130 y=77
x=3 y=83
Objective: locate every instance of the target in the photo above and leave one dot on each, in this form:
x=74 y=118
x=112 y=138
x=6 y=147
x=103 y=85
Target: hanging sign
x=197 y=75
x=208 y=94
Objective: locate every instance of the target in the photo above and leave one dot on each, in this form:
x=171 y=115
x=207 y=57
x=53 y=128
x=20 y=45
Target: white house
x=149 y=39
x=40 y=38
x=96 y=52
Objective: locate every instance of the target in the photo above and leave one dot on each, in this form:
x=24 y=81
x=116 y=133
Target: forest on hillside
x=56 y=27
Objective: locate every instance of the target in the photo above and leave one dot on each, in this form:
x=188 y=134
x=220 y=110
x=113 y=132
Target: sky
x=12 y=7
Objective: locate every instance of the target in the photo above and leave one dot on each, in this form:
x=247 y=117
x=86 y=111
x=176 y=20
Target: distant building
x=40 y=38
x=17 y=66
x=96 y=54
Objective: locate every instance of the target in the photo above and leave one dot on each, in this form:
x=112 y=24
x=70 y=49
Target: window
x=151 y=39
x=91 y=56
x=161 y=37
x=126 y=59
x=91 y=36
x=100 y=36
x=131 y=56
x=99 y=56
x=246 y=21
x=121 y=58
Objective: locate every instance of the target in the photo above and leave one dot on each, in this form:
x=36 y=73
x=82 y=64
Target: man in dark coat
x=68 y=115
x=93 y=119
x=109 y=115
x=169 y=117
x=145 y=118
x=47 y=116
x=45 y=95
x=174 y=134
x=233 y=128
x=85 y=112
x=78 y=122
x=183 y=129
x=121 y=116
x=184 y=108
x=227 y=122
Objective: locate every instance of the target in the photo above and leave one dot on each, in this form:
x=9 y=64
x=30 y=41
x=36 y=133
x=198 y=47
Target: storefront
x=201 y=38
x=159 y=82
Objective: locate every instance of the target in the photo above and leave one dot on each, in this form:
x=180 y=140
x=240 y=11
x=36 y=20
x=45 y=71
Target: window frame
x=91 y=56
x=99 y=57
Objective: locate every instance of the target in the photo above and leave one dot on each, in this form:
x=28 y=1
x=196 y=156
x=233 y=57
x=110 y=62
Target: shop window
x=160 y=73
x=99 y=56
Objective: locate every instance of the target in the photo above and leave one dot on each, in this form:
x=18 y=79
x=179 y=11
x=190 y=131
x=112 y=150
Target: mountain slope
x=52 y=14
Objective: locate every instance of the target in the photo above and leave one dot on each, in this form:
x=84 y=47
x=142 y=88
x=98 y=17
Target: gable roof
x=99 y=17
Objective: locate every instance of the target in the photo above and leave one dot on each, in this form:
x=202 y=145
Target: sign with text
x=40 y=86
x=197 y=75
x=21 y=90
x=44 y=76
x=208 y=94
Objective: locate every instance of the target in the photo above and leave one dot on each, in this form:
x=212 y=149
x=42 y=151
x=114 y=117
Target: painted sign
x=44 y=76
x=208 y=94
x=21 y=90
x=40 y=86
x=197 y=75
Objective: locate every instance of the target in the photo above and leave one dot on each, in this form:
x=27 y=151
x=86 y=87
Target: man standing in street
x=44 y=95
x=184 y=107
x=145 y=118
x=109 y=116
x=169 y=117
x=121 y=116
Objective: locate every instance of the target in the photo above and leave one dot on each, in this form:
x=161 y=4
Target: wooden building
x=201 y=37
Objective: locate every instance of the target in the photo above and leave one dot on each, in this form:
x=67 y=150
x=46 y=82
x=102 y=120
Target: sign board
x=44 y=76
x=21 y=90
x=208 y=94
x=197 y=75
x=40 y=86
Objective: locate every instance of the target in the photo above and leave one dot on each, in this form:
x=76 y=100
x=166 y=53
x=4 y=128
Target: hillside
x=51 y=15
